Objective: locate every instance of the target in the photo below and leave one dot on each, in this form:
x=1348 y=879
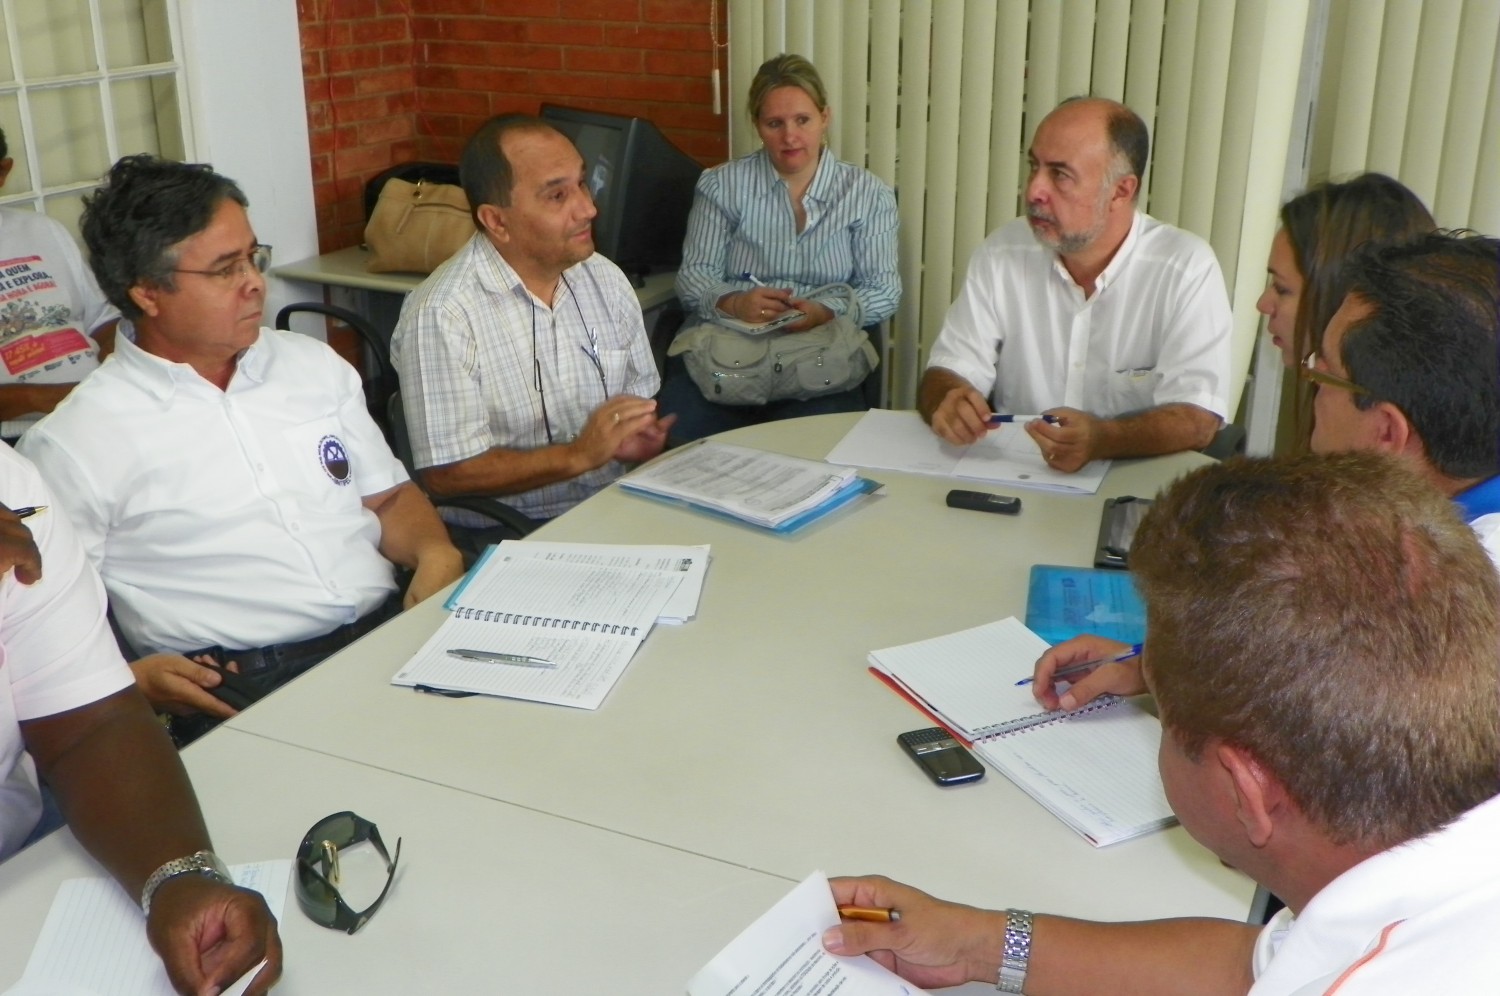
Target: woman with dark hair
x=1320 y=227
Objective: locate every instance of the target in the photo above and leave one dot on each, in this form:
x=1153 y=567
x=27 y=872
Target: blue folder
x=1062 y=602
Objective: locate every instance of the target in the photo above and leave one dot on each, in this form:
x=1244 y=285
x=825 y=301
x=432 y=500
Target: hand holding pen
x=760 y=303
x=1093 y=666
x=18 y=548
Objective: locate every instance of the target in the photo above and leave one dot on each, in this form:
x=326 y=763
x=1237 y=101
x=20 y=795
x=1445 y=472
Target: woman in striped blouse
x=771 y=227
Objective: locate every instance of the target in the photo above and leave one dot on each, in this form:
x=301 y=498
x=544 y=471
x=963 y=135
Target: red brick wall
x=393 y=80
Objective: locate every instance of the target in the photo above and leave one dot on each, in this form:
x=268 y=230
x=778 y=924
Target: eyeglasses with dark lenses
x=318 y=870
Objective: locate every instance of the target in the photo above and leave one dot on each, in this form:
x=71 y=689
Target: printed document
x=688 y=562
x=1006 y=455
x=782 y=954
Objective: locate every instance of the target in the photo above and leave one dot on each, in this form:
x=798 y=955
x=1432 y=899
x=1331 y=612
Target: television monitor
x=642 y=186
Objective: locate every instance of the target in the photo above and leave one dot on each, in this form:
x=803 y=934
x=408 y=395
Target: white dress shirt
x=1155 y=332
x=229 y=518
x=56 y=650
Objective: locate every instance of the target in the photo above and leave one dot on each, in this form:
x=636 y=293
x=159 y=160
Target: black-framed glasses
x=236 y=272
x=318 y=870
x=1309 y=372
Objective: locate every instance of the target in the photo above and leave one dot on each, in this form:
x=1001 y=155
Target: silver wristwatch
x=1017 y=953
x=205 y=863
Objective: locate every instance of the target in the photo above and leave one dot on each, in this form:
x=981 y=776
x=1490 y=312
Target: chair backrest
x=377 y=372
x=509 y=523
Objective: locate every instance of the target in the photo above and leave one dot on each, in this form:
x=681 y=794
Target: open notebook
x=1093 y=768
x=584 y=620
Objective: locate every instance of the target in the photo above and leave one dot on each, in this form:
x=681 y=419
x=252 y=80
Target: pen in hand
x=873 y=915
x=1002 y=419
x=1081 y=667
x=28 y=511
x=492 y=657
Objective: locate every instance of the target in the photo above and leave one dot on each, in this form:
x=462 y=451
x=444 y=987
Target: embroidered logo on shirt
x=335 y=459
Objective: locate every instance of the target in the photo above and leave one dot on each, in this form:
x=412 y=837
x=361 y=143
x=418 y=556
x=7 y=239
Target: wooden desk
x=754 y=734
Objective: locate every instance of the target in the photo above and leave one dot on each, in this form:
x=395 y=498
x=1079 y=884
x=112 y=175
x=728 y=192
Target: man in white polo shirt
x=226 y=479
x=1323 y=654
x=1110 y=322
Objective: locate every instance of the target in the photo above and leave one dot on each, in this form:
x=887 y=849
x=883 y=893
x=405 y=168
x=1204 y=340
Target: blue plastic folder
x=1062 y=602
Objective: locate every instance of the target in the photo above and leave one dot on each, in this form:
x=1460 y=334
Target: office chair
x=378 y=374
x=471 y=541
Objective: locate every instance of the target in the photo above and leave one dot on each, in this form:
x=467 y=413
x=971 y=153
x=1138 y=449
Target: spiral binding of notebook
x=546 y=622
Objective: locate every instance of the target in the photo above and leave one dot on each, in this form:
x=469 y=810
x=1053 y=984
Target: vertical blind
x=939 y=98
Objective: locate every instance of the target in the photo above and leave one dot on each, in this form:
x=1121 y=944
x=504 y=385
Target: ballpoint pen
x=1072 y=670
x=1002 y=419
x=28 y=511
x=491 y=657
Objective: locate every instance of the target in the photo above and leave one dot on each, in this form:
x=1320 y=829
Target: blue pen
x=1002 y=419
x=1072 y=670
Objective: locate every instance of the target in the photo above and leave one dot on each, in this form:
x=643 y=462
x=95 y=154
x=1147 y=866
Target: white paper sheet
x=94 y=916
x=782 y=953
x=1007 y=455
x=690 y=562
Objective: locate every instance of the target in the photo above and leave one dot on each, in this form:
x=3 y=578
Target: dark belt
x=264 y=658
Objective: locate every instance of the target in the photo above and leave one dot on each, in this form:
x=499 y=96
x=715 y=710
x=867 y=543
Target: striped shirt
x=469 y=345
x=742 y=222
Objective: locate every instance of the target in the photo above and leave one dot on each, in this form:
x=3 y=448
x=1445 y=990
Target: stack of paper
x=776 y=492
x=688 y=562
x=1007 y=455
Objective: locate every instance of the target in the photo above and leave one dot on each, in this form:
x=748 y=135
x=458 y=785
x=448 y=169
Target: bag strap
x=852 y=309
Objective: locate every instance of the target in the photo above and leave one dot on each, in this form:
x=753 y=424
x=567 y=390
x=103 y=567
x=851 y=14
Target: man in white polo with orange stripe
x=1322 y=648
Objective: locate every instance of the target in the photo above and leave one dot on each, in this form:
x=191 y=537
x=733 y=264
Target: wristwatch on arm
x=1017 y=952
x=205 y=863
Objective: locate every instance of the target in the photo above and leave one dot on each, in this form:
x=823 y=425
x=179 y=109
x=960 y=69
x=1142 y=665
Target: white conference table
x=488 y=898
x=751 y=739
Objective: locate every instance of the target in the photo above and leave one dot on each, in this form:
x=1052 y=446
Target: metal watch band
x=1017 y=953
x=205 y=863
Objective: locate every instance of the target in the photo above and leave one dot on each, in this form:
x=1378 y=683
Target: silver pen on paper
x=492 y=657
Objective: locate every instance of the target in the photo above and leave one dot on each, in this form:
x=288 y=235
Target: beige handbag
x=416 y=226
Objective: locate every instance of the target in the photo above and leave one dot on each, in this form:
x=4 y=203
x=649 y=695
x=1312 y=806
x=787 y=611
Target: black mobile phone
x=945 y=760
x=983 y=501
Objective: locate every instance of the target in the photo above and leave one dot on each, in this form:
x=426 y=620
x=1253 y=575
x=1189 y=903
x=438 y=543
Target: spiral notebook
x=587 y=620
x=1093 y=768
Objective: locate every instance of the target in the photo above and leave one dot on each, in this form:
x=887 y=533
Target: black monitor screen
x=642 y=186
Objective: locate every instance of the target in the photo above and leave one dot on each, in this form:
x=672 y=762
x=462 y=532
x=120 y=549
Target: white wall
x=249 y=119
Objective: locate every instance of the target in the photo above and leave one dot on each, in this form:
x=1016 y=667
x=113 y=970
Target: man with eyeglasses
x=226 y=479
x=1408 y=366
x=525 y=367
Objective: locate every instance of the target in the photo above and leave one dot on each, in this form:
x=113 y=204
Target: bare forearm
x=1168 y=429
x=17 y=400
x=506 y=472
x=1187 y=957
x=120 y=784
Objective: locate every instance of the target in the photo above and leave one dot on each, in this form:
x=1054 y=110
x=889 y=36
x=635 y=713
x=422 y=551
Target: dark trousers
x=262 y=670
